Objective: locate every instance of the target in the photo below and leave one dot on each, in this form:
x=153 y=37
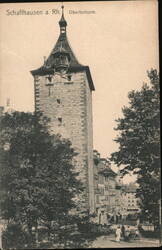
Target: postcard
x=80 y=125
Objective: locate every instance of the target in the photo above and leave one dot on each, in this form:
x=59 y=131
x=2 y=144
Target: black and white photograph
x=79 y=125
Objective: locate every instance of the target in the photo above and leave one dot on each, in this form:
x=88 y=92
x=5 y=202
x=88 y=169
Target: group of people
x=125 y=233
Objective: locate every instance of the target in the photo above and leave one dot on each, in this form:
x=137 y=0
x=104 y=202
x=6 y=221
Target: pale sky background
x=119 y=43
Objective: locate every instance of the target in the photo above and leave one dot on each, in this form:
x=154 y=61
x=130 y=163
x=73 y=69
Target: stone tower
x=63 y=92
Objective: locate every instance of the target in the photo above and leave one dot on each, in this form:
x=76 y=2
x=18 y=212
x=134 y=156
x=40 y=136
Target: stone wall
x=68 y=103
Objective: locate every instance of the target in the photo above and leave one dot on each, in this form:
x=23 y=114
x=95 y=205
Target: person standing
x=137 y=236
x=127 y=234
x=118 y=234
x=123 y=232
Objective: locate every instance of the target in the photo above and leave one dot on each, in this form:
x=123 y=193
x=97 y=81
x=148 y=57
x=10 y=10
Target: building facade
x=130 y=199
x=105 y=190
x=114 y=200
x=63 y=92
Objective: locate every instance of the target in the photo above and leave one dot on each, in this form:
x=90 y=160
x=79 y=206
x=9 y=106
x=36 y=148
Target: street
x=109 y=242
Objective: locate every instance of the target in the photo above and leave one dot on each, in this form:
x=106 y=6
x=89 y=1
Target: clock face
x=59 y=76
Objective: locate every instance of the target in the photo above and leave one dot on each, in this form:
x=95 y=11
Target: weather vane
x=62 y=7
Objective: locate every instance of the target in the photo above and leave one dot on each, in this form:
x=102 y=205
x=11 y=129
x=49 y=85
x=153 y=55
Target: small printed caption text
x=10 y=12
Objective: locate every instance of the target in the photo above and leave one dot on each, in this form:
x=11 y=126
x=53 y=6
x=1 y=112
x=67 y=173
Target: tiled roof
x=74 y=65
x=107 y=172
x=63 y=42
x=131 y=188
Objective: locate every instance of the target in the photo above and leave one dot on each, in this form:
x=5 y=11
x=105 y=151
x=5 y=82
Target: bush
x=148 y=233
x=91 y=229
x=45 y=245
x=15 y=237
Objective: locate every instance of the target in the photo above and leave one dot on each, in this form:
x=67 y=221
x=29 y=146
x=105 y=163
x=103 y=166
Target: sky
x=118 y=40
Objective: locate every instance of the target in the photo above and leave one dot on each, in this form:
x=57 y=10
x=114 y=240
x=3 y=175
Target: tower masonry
x=63 y=92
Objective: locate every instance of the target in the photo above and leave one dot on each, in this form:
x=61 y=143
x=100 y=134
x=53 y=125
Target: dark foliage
x=38 y=180
x=139 y=144
x=16 y=237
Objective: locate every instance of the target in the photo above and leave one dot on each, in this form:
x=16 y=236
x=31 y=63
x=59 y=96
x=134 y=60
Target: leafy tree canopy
x=139 y=143
x=38 y=179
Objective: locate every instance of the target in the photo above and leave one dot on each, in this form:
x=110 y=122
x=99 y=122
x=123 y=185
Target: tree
x=14 y=237
x=139 y=144
x=38 y=179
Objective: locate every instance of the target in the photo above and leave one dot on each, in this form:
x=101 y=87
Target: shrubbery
x=149 y=233
x=16 y=237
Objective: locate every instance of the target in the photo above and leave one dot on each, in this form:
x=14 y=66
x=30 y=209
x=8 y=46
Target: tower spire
x=62 y=7
x=62 y=21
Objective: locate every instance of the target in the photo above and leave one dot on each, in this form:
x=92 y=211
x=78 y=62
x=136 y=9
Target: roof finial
x=62 y=7
x=62 y=21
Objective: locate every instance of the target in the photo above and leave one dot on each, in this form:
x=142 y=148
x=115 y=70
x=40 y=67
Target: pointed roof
x=107 y=172
x=130 y=188
x=62 y=21
x=63 y=44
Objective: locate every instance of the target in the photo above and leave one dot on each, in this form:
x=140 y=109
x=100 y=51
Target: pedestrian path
x=150 y=241
x=109 y=242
